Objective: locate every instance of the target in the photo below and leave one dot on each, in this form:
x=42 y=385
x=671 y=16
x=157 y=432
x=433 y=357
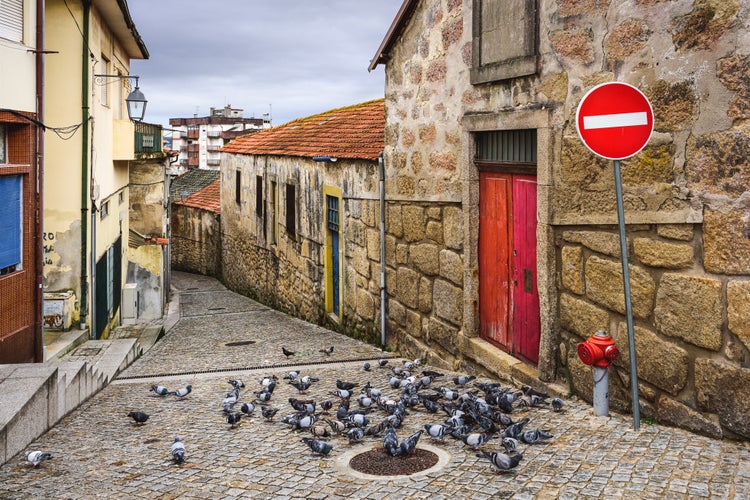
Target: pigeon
x=390 y=442
x=514 y=430
x=449 y=394
x=366 y=367
x=557 y=404
x=408 y=365
x=355 y=434
x=341 y=393
x=430 y=405
x=382 y=362
x=37 y=457
x=475 y=439
x=160 y=390
x=303 y=405
x=234 y=419
x=248 y=408
x=264 y=396
x=305 y=422
x=435 y=431
x=287 y=352
x=301 y=385
x=530 y=391
x=510 y=444
x=237 y=384
x=327 y=352
x=345 y=386
x=317 y=446
x=462 y=380
x=138 y=417
x=501 y=461
x=535 y=436
x=364 y=401
x=320 y=431
x=229 y=402
x=336 y=425
x=409 y=444
x=178 y=451
x=291 y=375
x=309 y=380
x=268 y=412
x=326 y=405
x=266 y=381
x=181 y=393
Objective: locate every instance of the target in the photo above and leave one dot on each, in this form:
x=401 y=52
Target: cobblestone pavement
x=99 y=453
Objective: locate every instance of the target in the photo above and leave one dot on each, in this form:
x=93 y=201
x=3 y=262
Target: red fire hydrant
x=600 y=351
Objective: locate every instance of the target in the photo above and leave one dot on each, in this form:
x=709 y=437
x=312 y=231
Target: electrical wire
x=63 y=133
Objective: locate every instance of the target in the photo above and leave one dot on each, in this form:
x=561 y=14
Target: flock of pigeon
x=473 y=414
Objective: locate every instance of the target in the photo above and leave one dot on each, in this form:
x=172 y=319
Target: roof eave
x=397 y=26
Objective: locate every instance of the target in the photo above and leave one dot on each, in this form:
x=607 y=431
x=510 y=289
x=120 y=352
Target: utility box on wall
x=129 y=303
x=58 y=310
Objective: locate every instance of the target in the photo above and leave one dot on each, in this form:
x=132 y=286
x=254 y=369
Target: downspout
x=84 y=163
x=381 y=166
x=39 y=274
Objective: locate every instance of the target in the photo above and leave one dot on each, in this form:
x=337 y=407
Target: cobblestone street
x=100 y=453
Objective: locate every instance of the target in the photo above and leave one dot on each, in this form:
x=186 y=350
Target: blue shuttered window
x=11 y=203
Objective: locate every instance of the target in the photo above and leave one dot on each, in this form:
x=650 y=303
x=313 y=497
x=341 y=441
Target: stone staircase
x=34 y=397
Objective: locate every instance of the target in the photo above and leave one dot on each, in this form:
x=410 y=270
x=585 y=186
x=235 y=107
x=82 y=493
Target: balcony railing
x=147 y=138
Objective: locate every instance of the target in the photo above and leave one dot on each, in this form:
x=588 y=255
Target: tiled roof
x=208 y=198
x=353 y=132
x=190 y=182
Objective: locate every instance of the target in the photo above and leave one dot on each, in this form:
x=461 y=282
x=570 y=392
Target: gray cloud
x=296 y=57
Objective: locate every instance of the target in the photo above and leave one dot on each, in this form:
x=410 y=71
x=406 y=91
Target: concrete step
x=62 y=343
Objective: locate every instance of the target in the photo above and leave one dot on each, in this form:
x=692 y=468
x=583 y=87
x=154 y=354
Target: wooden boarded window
x=291 y=213
x=259 y=194
x=504 y=39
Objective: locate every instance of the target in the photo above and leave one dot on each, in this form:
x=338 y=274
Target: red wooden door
x=525 y=291
x=508 y=297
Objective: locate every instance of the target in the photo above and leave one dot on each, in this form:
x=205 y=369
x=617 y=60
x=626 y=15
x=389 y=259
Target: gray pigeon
x=475 y=439
x=366 y=367
x=435 y=431
x=510 y=444
x=138 y=417
x=557 y=404
x=336 y=426
x=382 y=362
x=514 y=430
x=327 y=352
x=160 y=390
x=248 y=408
x=317 y=446
x=178 y=451
x=37 y=457
x=268 y=412
x=181 y=393
x=501 y=461
x=300 y=385
x=462 y=380
x=355 y=434
x=237 y=384
x=234 y=419
x=409 y=444
x=535 y=436
x=390 y=442
x=291 y=375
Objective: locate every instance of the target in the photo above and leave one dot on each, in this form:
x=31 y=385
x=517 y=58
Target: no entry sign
x=615 y=120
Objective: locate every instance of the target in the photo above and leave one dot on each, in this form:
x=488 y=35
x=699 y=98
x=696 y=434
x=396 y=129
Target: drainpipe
x=38 y=256
x=381 y=166
x=84 y=162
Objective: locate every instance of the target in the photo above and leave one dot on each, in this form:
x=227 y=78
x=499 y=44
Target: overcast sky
x=292 y=58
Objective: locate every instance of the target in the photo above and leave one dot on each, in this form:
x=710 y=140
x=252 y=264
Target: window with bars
x=333 y=213
x=291 y=212
x=507 y=146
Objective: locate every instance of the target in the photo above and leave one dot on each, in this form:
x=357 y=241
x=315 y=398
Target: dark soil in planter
x=379 y=463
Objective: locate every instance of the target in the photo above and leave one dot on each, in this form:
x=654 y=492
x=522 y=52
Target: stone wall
x=687 y=196
x=262 y=259
x=196 y=240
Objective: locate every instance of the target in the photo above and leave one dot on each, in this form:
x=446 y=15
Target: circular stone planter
x=428 y=455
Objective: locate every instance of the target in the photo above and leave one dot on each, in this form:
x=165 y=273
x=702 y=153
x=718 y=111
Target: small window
x=120 y=198
x=259 y=194
x=11 y=226
x=11 y=20
x=104 y=95
x=238 y=187
x=104 y=210
x=3 y=145
x=291 y=214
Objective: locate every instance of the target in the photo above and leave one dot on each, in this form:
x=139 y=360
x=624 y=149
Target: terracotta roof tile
x=208 y=198
x=353 y=132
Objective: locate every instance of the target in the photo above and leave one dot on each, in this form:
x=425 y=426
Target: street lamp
x=136 y=101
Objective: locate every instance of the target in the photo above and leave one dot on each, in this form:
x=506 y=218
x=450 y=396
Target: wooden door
x=508 y=295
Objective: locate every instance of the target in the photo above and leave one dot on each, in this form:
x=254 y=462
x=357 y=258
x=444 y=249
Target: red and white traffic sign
x=615 y=120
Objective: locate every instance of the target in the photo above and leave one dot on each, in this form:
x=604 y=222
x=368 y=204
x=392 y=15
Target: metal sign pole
x=628 y=305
